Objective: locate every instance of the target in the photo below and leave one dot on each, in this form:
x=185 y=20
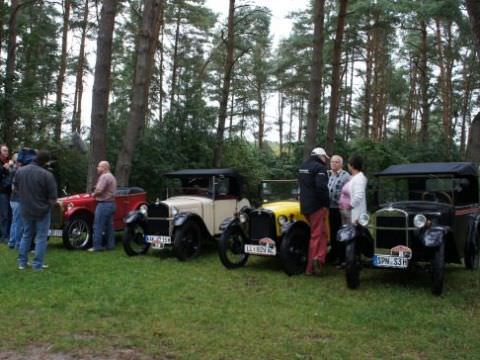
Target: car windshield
x=189 y=186
x=418 y=188
x=277 y=190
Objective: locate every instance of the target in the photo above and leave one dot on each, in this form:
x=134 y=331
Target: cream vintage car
x=197 y=202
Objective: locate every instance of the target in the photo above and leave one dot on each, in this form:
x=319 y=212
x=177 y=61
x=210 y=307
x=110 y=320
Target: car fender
x=473 y=228
x=182 y=218
x=134 y=216
x=290 y=226
x=434 y=236
x=361 y=234
x=228 y=222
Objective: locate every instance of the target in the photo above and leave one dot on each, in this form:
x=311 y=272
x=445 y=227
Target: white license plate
x=58 y=233
x=390 y=261
x=159 y=241
x=269 y=250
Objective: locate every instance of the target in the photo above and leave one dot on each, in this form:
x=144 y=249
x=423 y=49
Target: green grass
x=157 y=307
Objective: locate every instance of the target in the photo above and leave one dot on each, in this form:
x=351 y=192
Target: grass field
x=107 y=305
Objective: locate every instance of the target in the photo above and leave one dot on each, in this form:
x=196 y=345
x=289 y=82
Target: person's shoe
x=21 y=267
x=317 y=267
x=94 y=250
x=342 y=265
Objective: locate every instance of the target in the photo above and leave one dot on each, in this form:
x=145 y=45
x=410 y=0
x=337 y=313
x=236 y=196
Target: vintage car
x=72 y=216
x=277 y=228
x=197 y=202
x=427 y=213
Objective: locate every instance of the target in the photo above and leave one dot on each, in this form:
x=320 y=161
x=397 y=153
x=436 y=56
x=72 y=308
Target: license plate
x=390 y=261
x=58 y=233
x=159 y=241
x=268 y=250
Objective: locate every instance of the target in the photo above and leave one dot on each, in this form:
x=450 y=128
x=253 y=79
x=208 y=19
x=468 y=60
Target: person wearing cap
x=337 y=178
x=37 y=190
x=314 y=203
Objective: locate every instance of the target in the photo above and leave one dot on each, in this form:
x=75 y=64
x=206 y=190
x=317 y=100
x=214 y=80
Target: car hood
x=76 y=197
x=413 y=207
x=193 y=204
x=283 y=207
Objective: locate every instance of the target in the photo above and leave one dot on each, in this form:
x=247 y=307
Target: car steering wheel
x=434 y=195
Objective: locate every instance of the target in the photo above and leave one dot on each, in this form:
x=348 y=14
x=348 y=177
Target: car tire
x=231 y=247
x=352 y=265
x=472 y=253
x=77 y=233
x=134 y=240
x=294 y=250
x=186 y=243
x=438 y=269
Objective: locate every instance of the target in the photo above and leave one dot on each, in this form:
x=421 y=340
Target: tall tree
x=101 y=89
x=316 y=78
x=227 y=77
x=336 y=73
x=145 y=53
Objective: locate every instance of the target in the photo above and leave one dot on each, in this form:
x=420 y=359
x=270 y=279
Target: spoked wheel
x=438 y=269
x=231 y=247
x=294 y=250
x=187 y=241
x=134 y=240
x=472 y=253
x=352 y=268
x=77 y=233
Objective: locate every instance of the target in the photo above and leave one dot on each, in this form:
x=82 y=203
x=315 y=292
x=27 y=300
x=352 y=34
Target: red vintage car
x=72 y=216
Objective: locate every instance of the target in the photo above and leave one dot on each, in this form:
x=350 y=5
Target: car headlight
x=364 y=219
x=144 y=209
x=243 y=218
x=419 y=221
x=282 y=219
x=174 y=211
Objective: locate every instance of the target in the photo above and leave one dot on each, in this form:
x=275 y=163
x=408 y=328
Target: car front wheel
x=77 y=233
x=186 y=243
x=352 y=267
x=294 y=250
x=134 y=240
x=231 y=247
x=438 y=269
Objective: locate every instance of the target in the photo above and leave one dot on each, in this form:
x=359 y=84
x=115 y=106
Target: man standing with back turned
x=314 y=202
x=37 y=190
x=105 y=196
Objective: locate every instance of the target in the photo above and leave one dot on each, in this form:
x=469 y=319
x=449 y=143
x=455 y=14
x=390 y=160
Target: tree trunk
x=424 y=82
x=101 y=89
x=227 y=75
x=315 y=78
x=281 y=106
x=336 y=67
x=368 y=83
x=473 y=148
x=61 y=73
x=473 y=8
x=261 y=118
x=10 y=115
x=468 y=66
x=145 y=53
x=77 y=100
x=2 y=4
x=160 y=80
x=173 y=90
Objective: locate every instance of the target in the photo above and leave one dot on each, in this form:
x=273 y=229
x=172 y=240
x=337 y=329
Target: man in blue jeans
x=37 y=189
x=5 y=187
x=105 y=195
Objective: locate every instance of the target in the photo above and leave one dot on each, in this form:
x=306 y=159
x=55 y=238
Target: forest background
x=176 y=86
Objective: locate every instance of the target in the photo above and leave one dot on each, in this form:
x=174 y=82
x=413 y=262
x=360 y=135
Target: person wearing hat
x=314 y=203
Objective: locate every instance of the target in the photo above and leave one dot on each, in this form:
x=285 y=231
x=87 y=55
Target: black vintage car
x=426 y=212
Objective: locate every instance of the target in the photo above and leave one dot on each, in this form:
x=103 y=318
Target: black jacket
x=313 y=180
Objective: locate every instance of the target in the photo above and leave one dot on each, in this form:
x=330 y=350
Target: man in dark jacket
x=314 y=203
x=5 y=186
x=37 y=190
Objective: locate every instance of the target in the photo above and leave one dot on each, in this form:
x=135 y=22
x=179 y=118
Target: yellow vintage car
x=276 y=228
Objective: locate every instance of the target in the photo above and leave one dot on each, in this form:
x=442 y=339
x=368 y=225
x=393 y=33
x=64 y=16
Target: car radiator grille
x=391 y=229
x=158 y=224
x=57 y=216
x=262 y=224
